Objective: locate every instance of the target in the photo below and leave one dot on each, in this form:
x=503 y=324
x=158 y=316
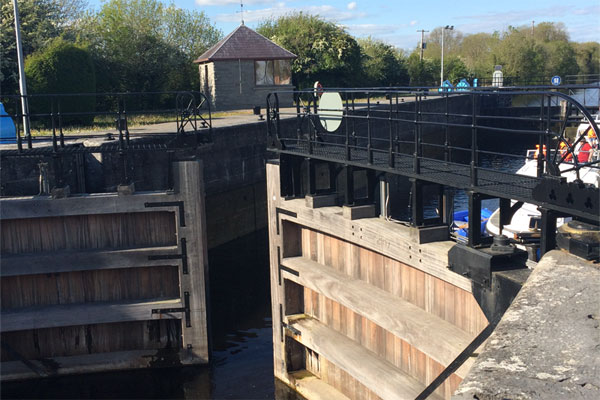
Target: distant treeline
x=146 y=45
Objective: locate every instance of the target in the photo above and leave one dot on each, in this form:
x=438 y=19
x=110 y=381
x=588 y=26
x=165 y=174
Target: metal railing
x=63 y=117
x=439 y=137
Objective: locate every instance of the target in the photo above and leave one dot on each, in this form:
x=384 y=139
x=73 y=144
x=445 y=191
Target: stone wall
x=224 y=89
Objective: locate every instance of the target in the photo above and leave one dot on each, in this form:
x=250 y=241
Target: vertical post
x=60 y=126
x=347 y=143
x=540 y=160
x=504 y=214
x=369 y=144
x=298 y=116
x=391 y=135
x=548 y=239
x=446 y=139
x=416 y=161
x=474 y=153
x=349 y=190
x=22 y=80
x=371 y=183
x=189 y=185
x=54 y=143
x=310 y=179
x=442 y=67
x=19 y=138
x=416 y=202
x=448 y=206
x=474 y=219
x=384 y=192
x=546 y=148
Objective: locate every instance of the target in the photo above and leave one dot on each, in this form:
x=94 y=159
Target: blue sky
x=396 y=22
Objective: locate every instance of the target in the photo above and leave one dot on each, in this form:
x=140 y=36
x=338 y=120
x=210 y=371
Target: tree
x=62 y=67
x=588 y=59
x=561 y=59
x=476 y=51
x=41 y=21
x=452 y=42
x=455 y=70
x=141 y=45
x=521 y=57
x=423 y=72
x=326 y=52
x=382 y=65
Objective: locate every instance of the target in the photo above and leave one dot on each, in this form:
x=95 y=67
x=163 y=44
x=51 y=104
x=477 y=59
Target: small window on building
x=273 y=72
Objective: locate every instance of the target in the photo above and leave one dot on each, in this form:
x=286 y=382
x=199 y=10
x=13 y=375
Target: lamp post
x=444 y=29
x=22 y=82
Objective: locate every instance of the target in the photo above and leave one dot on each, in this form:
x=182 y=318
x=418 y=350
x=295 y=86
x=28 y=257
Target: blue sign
x=556 y=80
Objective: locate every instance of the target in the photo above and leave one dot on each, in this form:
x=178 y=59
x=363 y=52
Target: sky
x=396 y=21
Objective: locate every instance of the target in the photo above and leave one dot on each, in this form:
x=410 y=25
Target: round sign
x=556 y=80
x=330 y=111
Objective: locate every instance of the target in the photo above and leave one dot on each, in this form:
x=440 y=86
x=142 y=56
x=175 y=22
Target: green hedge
x=62 y=67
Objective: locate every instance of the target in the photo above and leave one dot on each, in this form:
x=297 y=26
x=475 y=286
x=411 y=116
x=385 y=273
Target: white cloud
x=413 y=22
x=326 y=11
x=580 y=29
x=228 y=2
x=351 y=5
x=371 y=29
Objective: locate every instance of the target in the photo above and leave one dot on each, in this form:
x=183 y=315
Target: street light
x=444 y=29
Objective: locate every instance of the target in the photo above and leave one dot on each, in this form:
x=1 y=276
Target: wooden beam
x=391 y=239
x=87 y=363
x=84 y=260
x=84 y=314
x=101 y=203
x=378 y=375
x=314 y=388
x=437 y=338
x=189 y=184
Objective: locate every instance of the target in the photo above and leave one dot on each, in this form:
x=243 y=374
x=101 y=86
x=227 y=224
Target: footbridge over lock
x=367 y=307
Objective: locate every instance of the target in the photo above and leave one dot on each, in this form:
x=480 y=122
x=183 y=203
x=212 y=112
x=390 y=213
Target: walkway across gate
x=435 y=137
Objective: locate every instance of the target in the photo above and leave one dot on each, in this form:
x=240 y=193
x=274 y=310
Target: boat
x=525 y=224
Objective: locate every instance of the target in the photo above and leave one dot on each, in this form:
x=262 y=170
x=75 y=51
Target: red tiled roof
x=245 y=44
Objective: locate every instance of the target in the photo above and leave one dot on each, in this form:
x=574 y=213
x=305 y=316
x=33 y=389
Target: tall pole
x=447 y=27
x=442 y=69
x=22 y=82
x=422 y=31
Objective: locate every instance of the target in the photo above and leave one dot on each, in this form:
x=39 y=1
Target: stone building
x=240 y=70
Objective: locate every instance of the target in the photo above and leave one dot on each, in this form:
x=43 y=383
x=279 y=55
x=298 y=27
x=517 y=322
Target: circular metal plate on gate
x=330 y=111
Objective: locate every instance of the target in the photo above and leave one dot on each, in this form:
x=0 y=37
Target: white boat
x=525 y=223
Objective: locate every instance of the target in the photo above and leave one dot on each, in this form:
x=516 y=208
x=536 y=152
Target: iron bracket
x=169 y=204
x=182 y=256
x=185 y=309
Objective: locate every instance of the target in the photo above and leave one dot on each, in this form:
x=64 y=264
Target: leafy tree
x=41 y=21
x=561 y=59
x=326 y=52
x=476 y=51
x=455 y=70
x=141 y=45
x=382 y=65
x=520 y=56
x=588 y=59
x=452 y=42
x=62 y=67
x=423 y=72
